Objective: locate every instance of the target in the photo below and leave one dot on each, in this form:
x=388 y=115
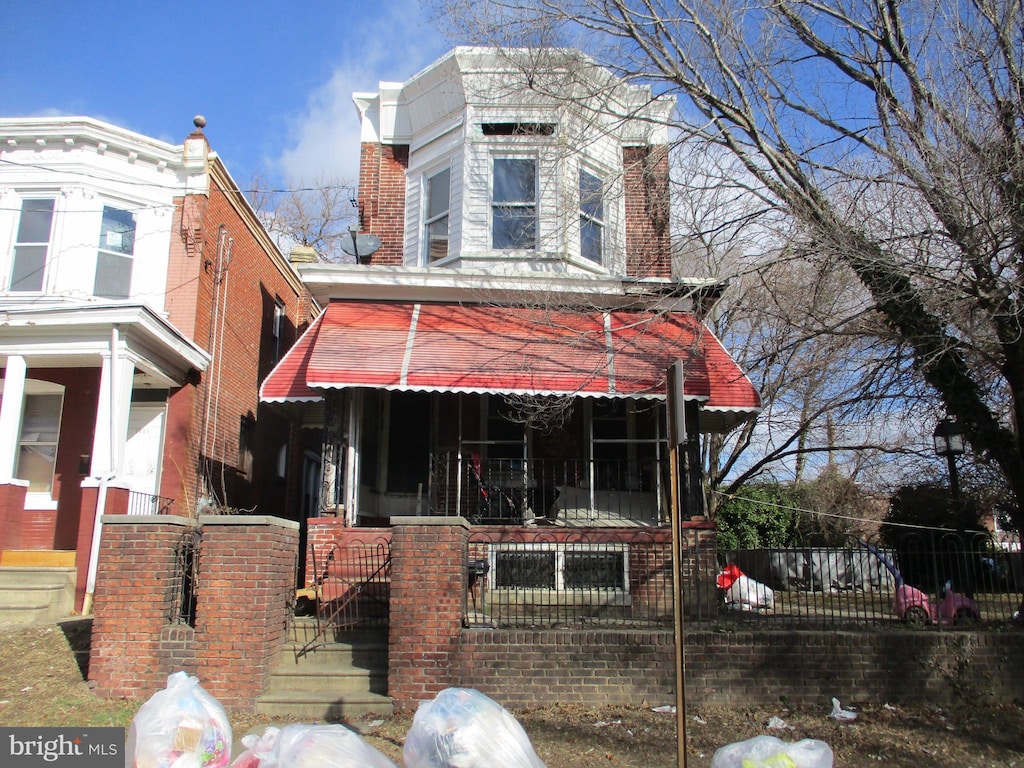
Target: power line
x=175 y=187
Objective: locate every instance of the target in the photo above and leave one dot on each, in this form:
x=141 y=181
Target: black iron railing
x=574 y=492
x=568 y=578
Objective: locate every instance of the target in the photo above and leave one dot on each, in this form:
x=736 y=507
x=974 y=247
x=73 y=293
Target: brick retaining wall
x=535 y=668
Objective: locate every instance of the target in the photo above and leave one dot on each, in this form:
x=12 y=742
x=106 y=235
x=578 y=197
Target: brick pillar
x=246 y=581
x=428 y=578
x=134 y=600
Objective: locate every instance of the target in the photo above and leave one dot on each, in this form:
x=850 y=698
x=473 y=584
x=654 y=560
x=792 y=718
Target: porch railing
x=564 y=578
x=148 y=504
x=570 y=492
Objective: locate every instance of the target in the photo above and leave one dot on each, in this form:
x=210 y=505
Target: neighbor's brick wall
x=134 y=595
x=223 y=291
x=246 y=581
x=428 y=578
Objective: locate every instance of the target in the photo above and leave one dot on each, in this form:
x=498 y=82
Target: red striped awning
x=507 y=350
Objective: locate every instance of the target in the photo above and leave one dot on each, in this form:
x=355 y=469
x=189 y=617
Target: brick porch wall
x=428 y=579
x=246 y=579
x=135 y=580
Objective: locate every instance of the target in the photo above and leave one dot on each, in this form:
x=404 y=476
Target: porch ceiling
x=484 y=348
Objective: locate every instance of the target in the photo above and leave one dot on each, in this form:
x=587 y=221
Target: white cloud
x=392 y=46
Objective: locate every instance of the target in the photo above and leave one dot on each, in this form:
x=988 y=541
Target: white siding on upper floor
x=82 y=179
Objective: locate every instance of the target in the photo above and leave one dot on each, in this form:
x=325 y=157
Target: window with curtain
x=591 y=216
x=37 y=444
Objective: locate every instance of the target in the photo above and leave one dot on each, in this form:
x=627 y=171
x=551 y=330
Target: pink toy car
x=913 y=606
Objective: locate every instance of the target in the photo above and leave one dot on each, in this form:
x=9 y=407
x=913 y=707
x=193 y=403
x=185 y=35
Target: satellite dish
x=361 y=246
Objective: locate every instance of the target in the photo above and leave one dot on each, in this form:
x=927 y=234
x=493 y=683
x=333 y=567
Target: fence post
x=428 y=580
x=135 y=642
x=246 y=581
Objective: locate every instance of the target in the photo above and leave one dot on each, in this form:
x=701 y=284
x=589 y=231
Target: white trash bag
x=310 y=746
x=771 y=752
x=746 y=594
x=181 y=726
x=463 y=728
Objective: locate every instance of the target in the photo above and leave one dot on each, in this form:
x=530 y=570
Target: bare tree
x=890 y=136
x=318 y=215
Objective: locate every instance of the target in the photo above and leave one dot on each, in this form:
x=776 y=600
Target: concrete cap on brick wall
x=280 y=522
x=148 y=520
x=442 y=520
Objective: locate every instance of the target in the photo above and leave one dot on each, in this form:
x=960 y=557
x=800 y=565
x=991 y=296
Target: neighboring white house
x=129 y=269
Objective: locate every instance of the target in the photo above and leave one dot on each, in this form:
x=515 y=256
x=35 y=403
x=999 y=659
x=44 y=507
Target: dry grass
x=41 y=685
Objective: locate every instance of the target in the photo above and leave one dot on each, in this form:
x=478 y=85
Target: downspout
x=101 y=494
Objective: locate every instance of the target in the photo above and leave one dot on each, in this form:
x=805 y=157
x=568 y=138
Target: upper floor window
x=32 y=245
x=591 y=216
x=438 y=205
x=114 y=260
x=514 y=203
x=277 y=328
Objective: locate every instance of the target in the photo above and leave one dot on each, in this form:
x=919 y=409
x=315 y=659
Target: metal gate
x=352 y=588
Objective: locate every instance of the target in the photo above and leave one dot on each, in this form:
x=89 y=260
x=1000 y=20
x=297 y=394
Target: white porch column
x=10 y=415
x=112 y=408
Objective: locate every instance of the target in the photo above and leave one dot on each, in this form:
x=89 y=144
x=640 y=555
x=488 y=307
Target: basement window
x=561 y=567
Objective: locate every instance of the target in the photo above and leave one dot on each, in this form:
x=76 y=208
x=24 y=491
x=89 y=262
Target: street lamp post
x=949 y=442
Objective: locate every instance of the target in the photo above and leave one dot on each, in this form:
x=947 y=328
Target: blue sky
x=274 y=79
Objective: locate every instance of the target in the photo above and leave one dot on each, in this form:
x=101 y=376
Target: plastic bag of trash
x=181 y=726
x=771 y=752
x=463 y=728
x=309 y=746
x=746 y=594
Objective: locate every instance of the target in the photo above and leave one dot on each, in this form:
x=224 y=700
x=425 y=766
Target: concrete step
x=329 y=679
x=316 y=679
x=21 y=575
x=323 y=707
x=32 y=595
x=334 y=656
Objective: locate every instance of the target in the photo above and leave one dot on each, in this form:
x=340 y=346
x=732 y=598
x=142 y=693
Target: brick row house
x=497 y=348
x=141 y=303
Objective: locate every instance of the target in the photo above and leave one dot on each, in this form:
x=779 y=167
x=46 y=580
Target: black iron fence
x=560 y=579
x=572 y=492
x=569 y=580
x=186 y=570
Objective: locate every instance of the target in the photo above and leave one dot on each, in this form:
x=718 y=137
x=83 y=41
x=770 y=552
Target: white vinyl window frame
x=592 y=220
x=437 y=196
x=33 y=244
x=115 y=253
x=39 y=439
x=514 y=201
x=560 y=554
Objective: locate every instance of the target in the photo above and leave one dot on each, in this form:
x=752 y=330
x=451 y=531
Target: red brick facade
x=646 y=183
x=382 y=199
x=224 y=283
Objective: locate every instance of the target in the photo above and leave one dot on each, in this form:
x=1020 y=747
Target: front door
x=141 y=465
